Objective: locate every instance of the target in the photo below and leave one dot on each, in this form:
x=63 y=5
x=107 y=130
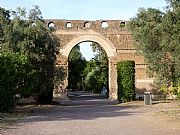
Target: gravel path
x=93 y=115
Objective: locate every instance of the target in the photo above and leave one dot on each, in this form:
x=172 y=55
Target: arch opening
x=88 y=74
x=110 y=50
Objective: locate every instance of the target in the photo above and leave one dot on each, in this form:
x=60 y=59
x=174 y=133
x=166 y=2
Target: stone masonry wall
x=113 y=36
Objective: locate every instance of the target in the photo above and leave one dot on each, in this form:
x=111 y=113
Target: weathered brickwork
x=113 y=36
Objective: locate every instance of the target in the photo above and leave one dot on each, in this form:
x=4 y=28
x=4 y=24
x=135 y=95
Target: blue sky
x=85 y=9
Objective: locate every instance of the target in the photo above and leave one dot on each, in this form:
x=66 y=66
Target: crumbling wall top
x=98 y=25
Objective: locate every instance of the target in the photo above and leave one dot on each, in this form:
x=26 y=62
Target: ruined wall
x=113 y=36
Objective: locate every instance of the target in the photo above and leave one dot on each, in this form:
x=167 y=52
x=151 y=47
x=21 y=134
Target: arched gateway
x=113 y=36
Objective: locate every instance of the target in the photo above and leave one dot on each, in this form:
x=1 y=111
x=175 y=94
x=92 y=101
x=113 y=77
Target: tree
x=92 y=81
x=96 y=71
x=102 y=64
x=76 y=65
x=156 y=36
x=27 y=57
x=42 y=53
x=35 y=14
x=173 y=4
x=4 y=29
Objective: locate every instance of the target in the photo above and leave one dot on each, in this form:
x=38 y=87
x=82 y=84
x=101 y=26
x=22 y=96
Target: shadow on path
x=83 y=106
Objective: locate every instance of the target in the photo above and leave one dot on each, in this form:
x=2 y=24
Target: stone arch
x=116 y=41
x=110 y=50
x=107 y=45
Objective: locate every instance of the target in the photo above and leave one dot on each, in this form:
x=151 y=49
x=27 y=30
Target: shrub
x=13 y=75
x=44 y=80
x=126 y=80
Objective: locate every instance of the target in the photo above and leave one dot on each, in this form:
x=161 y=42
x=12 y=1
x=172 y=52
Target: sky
x=86 y=10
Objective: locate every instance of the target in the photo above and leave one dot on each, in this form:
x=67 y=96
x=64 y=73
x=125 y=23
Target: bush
x=126 y=80
x=27 y=67
x=45 y=93
x=44 y=80
x=13 y=75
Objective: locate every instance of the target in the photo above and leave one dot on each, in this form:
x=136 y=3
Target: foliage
x=40 y=45
x=42 y=56
x=96 y=71
x=93 y=79
x=4 y=28
x=15 y=72
x=156 y=36
x=25 y=37
x=76 y=65
x=35 y=14
x=75 y=54
x=171 y=90
x=126 y=80
x=102 y=64
x=90 y=75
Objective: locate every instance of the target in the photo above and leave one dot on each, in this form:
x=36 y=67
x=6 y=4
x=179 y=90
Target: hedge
x=126 y=80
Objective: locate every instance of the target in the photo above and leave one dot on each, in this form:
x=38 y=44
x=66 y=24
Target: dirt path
x=93 y=115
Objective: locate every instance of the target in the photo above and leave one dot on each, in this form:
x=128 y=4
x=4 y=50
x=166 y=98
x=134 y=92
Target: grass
x=171 y=112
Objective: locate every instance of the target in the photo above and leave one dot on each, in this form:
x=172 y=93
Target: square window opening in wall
x=68 y=25
x=104 y=24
